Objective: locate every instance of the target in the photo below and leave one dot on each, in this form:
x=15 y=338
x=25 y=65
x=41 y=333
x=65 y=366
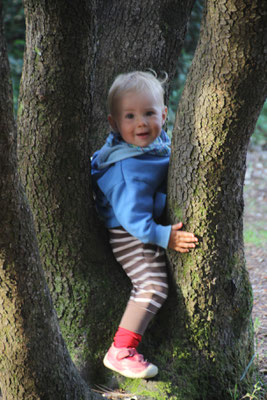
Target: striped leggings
x=145 y=265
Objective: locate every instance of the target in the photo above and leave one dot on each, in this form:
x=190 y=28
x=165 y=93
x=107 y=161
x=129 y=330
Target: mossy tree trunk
x=73 y=51
x=223 y=96
x=34 y=361
x=53 y=120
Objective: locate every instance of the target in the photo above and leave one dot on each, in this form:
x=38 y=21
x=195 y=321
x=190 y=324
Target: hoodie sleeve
x=132 y=202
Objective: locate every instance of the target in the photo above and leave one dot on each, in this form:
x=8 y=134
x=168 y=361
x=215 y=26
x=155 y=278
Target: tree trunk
x=224 y=94
x=72 y=54
x=54 y=116
x=34 y=361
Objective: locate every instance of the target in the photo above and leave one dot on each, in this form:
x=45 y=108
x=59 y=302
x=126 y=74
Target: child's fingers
x=177 y=226
x=186 y=242
x=186 y=245
x=185 y=235
x=182 y=247
x=182 y=233
x=182 y=241
x=188 y=239
x=181 y=250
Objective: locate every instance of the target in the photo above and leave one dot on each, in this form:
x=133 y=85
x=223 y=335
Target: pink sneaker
x=128 y=362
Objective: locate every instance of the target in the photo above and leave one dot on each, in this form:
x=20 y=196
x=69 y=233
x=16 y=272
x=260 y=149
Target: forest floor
x=255 y=236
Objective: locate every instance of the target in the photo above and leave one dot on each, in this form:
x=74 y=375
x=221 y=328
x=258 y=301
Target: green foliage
x=14 y=26
x=15 y=36
x=185 y=60
x=256 y=394
x=259 y=137
x=258 y=390
x=257 y=238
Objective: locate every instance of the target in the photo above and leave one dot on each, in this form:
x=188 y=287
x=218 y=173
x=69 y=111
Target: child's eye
x=149 y=113
x=129 y=116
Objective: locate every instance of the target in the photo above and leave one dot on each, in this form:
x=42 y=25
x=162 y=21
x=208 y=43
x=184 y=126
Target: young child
x=129 y=176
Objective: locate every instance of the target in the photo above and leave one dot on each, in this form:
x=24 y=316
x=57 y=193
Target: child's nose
x=141 y=121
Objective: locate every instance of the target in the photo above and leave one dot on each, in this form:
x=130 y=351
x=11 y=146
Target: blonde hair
x=137 y=81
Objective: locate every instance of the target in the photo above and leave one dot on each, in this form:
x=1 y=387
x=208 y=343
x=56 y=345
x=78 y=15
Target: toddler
x=129 y=176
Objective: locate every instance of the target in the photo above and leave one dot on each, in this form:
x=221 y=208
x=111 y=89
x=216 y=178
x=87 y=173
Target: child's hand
x=181 y=241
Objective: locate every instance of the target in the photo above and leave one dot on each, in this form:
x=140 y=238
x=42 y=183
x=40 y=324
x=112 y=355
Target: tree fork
x=145 y=35
x=65 y=79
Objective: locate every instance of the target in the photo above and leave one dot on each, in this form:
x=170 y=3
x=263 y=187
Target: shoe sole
x=149 y=372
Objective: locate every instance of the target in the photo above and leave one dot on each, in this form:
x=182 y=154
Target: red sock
x=125 y=338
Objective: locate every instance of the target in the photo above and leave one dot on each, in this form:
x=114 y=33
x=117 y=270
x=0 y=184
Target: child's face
x=138 y=118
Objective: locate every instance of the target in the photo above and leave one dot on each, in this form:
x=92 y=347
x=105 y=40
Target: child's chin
x=144 y=141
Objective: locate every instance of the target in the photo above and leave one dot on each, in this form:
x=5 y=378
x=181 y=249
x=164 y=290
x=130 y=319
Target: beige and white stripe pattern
x=145 y=265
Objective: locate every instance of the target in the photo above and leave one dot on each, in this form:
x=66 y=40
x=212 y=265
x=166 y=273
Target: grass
x=259 y=390
x=256 y=237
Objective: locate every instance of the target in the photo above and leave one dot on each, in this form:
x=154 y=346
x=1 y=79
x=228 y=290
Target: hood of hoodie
x=116 y=149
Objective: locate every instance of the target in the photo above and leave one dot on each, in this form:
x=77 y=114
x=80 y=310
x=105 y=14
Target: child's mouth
x=142 y=135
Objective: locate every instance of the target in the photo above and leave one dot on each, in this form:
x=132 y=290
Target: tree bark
x=208 y=343
x=222 y=99
x=72 y=54
x=53 y=118
x=34 y=361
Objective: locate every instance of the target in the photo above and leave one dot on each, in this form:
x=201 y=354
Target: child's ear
x=112 y=123
x=164 y=115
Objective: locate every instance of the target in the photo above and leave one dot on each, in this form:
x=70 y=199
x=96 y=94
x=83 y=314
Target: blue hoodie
x=131 y=192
